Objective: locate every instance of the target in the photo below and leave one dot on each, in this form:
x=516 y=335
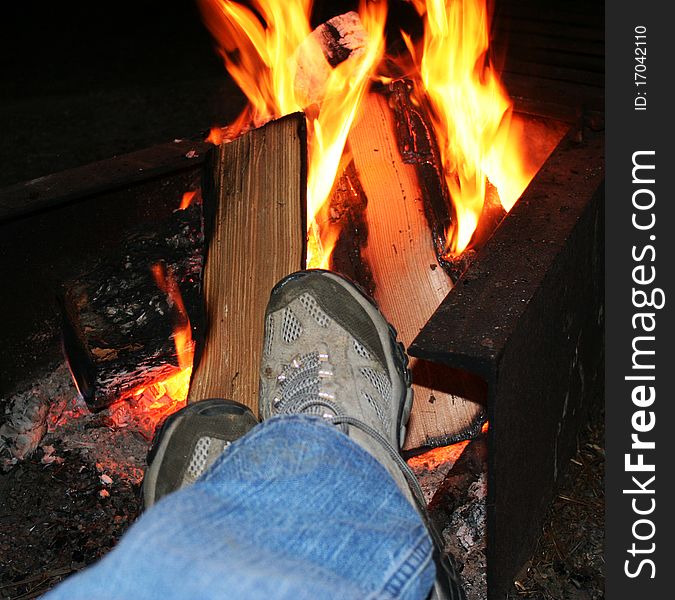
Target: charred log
x=118 y=323
x=347 y=210
x=417 y=145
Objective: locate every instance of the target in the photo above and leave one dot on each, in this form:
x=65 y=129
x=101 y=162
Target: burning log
x=117 y=321
x=418 y=147
x=256 y=235
x=330 y=44
x=408 y=283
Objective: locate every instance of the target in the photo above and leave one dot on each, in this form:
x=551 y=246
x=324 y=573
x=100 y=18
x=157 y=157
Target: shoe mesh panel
x=313 y=308
x=382 y=415
x=269 y=334
x=379 y=381
x=199 y=457
x=361 y=350
x=290 y=326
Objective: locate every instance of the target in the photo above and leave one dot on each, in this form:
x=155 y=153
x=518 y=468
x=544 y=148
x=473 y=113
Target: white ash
x=116 y=453
x=25 y=418
x=50 y=414
x=465 y=536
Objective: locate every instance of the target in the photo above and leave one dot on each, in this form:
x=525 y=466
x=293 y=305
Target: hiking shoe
x=189 y=441
x=329 y=351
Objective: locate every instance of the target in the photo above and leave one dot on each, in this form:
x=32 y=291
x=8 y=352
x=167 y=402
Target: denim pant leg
x=294 y=510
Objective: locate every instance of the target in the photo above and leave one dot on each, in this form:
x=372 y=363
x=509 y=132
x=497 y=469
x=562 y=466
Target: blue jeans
x=294 y=509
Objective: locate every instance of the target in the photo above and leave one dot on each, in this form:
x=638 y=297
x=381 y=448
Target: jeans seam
x=413 y=563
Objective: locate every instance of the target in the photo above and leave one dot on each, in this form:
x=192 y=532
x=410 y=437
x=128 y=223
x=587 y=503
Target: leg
x=295 y=509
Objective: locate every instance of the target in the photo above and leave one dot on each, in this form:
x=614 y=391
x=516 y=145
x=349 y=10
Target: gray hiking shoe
x=189 y=441
x=329 y=351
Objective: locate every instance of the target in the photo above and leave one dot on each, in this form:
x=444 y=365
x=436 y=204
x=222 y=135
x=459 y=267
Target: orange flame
x=182 y=334
x=343 y=93
x=268 y=57
x=270 y=52
x=472 y=112
x=187 y=200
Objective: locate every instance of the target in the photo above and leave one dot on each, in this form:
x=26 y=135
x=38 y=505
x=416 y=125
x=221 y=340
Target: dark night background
x=83 y=81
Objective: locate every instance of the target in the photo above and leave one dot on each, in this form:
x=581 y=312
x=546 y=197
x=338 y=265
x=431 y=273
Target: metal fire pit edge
x=528 y=317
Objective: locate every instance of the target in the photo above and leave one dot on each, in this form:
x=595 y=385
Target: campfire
x=406 y=157
x=387 y=152
x=414 y=154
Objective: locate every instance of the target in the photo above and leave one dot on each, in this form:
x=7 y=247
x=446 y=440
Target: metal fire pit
x=527 y=317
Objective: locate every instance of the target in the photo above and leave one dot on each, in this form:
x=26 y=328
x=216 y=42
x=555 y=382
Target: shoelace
x=410 y=478
x=301 y=384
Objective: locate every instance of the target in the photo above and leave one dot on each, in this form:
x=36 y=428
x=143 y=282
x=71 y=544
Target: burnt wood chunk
x=417 y=145
x=118 y=323
x=340 y=36
x=255 y=196
x=348 y=205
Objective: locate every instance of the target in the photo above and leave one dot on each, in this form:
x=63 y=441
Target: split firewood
x=409 y=285
x=118 y=324
x=256 y=199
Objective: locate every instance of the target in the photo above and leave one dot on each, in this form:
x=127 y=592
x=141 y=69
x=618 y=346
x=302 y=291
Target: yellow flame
x=268 y=48
x=343 y=93
x=263 y=58
x=257 y=54
x=472 y=112
x=177 y=385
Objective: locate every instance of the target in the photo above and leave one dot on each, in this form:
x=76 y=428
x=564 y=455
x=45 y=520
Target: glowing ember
x=434 y=458
x=437 y=457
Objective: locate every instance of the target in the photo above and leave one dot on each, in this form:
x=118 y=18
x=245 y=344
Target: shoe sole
x=393 y=351
x=162 y=438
